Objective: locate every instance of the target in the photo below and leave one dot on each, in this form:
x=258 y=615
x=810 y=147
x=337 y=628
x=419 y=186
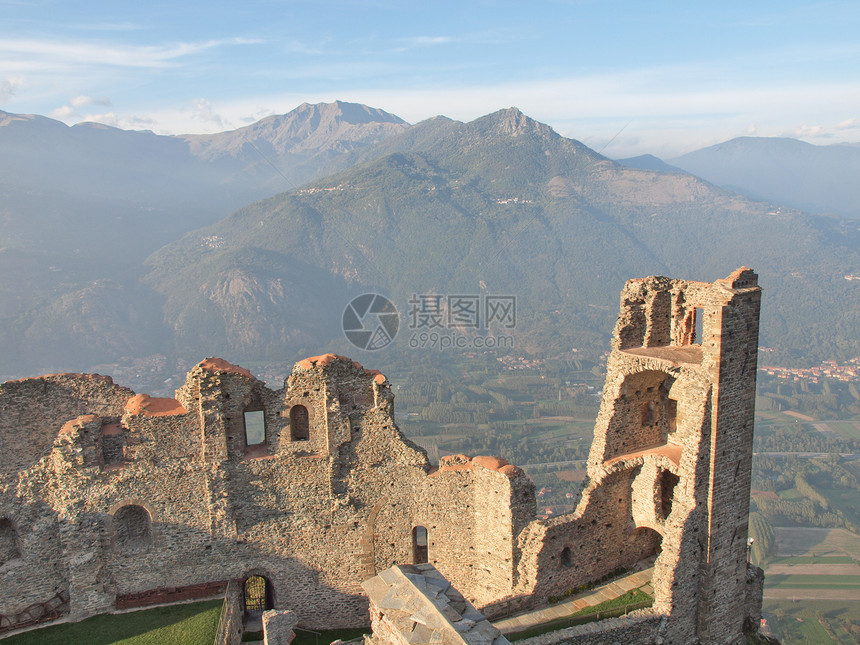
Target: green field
x=186 y=624
x=846 y=429
x=816 y=542
x=822 y=622
x=814 y=622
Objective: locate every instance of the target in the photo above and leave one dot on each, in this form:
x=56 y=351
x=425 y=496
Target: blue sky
x=668 y=76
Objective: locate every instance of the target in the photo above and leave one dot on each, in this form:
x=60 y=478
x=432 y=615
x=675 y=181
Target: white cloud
x=430 y=40
x=670 y=110
x=135 y=121
x=810 y=131
x=81 y=101
x=201 y=109
x=107 y=26
x=65 y=112
x=8 y=86
x=108 y=118
x=52 y=55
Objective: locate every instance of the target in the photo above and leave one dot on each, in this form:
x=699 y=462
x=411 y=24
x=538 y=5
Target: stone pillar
x=735 y=335
x=278 y=627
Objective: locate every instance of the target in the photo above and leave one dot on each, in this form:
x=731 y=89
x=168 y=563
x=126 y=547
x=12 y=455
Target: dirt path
x=813 y=570
x=826 y=430
x=812 y=594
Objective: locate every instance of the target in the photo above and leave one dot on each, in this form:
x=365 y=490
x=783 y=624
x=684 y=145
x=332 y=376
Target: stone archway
x=257 y=597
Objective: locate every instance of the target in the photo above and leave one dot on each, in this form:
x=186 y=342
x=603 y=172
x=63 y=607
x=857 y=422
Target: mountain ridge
x=501 y=201
x=519 y=210
x=309 y=127
x=818 y=179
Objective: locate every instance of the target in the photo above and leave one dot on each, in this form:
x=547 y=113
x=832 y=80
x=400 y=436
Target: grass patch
x=790 y=494
x=612 y=607
x=846 y=429
x=327 y=636
x=844 y=500
x=187 y=624
x=818 y=622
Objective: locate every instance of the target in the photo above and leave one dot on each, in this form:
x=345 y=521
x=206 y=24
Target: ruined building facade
x=111 y=499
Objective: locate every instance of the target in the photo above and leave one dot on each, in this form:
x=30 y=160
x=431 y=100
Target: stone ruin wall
x=315 y=517
x=318 y=516
x=33 y=410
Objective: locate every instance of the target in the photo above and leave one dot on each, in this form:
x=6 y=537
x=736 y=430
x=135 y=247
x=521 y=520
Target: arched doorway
x=257 y=594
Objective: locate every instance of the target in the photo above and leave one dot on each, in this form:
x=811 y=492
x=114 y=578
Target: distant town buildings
x=848 y=371
x=521 y=362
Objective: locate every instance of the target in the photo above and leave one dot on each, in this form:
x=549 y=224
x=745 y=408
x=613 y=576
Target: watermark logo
x=431 y=311
x=370 y=321
x=455 y=320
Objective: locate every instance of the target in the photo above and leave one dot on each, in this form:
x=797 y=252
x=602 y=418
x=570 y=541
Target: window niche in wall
x=698 y=326
x=255 y=427
x=132 y=529
x=671 y=416
x=566 y=557
x=8 y=541
x=419 y=545
x=644 y=417
x=299 y=423
x=648 y=413
x=666 y=484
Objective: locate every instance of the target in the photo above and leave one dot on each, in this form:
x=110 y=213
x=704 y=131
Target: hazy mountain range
x=817 y=179
x=500 y=205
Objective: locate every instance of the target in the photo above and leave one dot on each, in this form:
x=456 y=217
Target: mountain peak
x=354 y=113
x=310 y=128
x=511 y=121
x=7 y=118
x=648 y=162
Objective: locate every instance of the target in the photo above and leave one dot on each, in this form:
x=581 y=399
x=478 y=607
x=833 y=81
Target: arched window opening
x=8 y=541
x=299 y=423
x=257 y=595
x=566 y=557
x=255 y=427
x=643 y=403
x=132 y=528
x=648 y=542
x=666 y=483
x=419 y=545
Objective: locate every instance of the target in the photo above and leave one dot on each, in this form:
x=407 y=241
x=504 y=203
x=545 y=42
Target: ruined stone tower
x=677 y=419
